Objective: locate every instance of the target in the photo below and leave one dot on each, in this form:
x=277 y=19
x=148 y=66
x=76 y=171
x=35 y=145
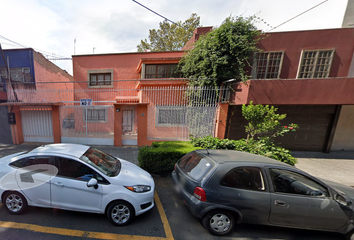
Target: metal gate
x=91 y=125
x=37 y=125
x=175 y=113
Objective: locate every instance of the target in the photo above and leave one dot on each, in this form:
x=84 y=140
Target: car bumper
x=196 y=207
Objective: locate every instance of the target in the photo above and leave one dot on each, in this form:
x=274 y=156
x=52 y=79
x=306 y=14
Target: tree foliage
x=169 y=36
x=222 y=54
x=263 y=119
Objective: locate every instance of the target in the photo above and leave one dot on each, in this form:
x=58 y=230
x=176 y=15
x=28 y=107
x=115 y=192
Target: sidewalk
x=337 y=166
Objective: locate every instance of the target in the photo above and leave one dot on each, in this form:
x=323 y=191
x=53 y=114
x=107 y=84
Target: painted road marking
x=97 y=235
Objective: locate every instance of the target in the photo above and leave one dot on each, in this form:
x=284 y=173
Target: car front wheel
x=15 y=203
x=219 y=222
x=120 y=213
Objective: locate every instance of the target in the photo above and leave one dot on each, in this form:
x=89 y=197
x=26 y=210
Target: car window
x=37 y=160
x=74 y=169
x=195 y=165
x=19 y=163
x=249 y=178
x=294 y=183
x=102 y=161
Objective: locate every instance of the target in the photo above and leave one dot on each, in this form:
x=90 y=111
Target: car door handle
x=279 y=203
x=59 y=184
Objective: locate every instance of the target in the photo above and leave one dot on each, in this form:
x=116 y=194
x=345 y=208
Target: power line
x=41 y=51
x=297 y=15
x=153 y=11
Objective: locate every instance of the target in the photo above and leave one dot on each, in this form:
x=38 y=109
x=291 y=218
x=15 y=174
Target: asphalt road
x=169 y=219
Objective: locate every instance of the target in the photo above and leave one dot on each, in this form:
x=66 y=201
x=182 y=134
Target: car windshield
x=104 y=162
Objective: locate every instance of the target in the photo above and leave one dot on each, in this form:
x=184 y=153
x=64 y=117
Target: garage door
x=314 y=124
x=37 y=124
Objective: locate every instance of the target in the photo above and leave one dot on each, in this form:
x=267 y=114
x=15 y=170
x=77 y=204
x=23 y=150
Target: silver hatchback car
x=224 y=187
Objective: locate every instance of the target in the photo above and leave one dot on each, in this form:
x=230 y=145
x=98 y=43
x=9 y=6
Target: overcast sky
x=115 y=26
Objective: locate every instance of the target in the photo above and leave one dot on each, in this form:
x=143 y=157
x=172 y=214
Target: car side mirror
x=92 y=183
x=342 y=200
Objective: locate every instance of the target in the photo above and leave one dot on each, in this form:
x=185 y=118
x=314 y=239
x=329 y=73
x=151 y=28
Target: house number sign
x=86 y=102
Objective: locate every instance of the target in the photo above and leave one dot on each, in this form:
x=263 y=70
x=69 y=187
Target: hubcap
x=14 y=203
x=220 y=223
x=120 y=214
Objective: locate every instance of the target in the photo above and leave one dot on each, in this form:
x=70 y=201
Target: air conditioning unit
x=26 y=70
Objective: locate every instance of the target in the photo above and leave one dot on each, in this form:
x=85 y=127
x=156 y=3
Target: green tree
x=221 y=54
x=170 y=37
x=264 y=120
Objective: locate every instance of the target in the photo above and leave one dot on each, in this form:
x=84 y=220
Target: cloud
x=112 y=26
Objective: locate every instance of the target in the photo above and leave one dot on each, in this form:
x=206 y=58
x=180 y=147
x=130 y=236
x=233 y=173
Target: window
x=36 y=160
x=249 y=178
x=267 y=65
x=161 y=71
x=170 y=115
x=294 y=183
x=96 y=115
x=100 y=79
x=25 y=162
x=73 y=169
x=315 y=64
x=195 y=166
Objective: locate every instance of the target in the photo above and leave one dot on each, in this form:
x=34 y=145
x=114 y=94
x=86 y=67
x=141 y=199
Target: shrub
x=263 y=146
x=162 y=156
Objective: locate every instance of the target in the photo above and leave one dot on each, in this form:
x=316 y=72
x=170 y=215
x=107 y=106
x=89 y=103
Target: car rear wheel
x=219 y=222
x=120 y=213
x=15 y=203
x=349 y=235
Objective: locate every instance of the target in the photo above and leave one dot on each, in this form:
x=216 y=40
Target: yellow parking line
x=97 y=235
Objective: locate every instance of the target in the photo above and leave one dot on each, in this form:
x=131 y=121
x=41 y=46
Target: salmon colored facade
x=46 y=77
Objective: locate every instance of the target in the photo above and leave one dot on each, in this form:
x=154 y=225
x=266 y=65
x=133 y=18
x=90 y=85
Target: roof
x=75 y=150
x=223 y=156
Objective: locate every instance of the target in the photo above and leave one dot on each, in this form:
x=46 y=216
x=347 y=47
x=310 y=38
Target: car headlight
x=139 y=188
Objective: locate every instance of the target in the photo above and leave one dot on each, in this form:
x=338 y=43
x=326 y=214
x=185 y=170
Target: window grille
x=315 y=64
x=267 y=65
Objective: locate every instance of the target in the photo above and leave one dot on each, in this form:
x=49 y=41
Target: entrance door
x=130 y=135
x=127 y=121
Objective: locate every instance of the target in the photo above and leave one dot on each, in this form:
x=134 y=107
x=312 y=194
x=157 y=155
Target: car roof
x=75 y=150
x=223 y=156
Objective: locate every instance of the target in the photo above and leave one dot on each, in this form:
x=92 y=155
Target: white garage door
x=37 y=124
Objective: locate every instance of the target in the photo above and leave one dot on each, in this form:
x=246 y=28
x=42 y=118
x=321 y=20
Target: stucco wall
x=344 y=135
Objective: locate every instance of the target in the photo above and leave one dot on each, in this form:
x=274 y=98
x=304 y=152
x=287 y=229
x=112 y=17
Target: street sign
x=86 y=102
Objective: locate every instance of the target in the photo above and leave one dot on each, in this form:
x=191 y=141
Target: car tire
x=219 y=222
x=15 y=202
x=349 y=235
x=120 y=213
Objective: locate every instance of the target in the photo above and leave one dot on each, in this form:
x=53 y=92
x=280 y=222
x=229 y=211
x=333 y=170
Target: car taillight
x=200 y=194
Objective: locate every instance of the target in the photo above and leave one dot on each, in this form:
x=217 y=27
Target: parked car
x=75 y=177
x=225 y=187
x=69 y=121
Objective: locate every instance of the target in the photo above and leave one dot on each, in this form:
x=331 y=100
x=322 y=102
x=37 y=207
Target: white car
x=78 y=178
